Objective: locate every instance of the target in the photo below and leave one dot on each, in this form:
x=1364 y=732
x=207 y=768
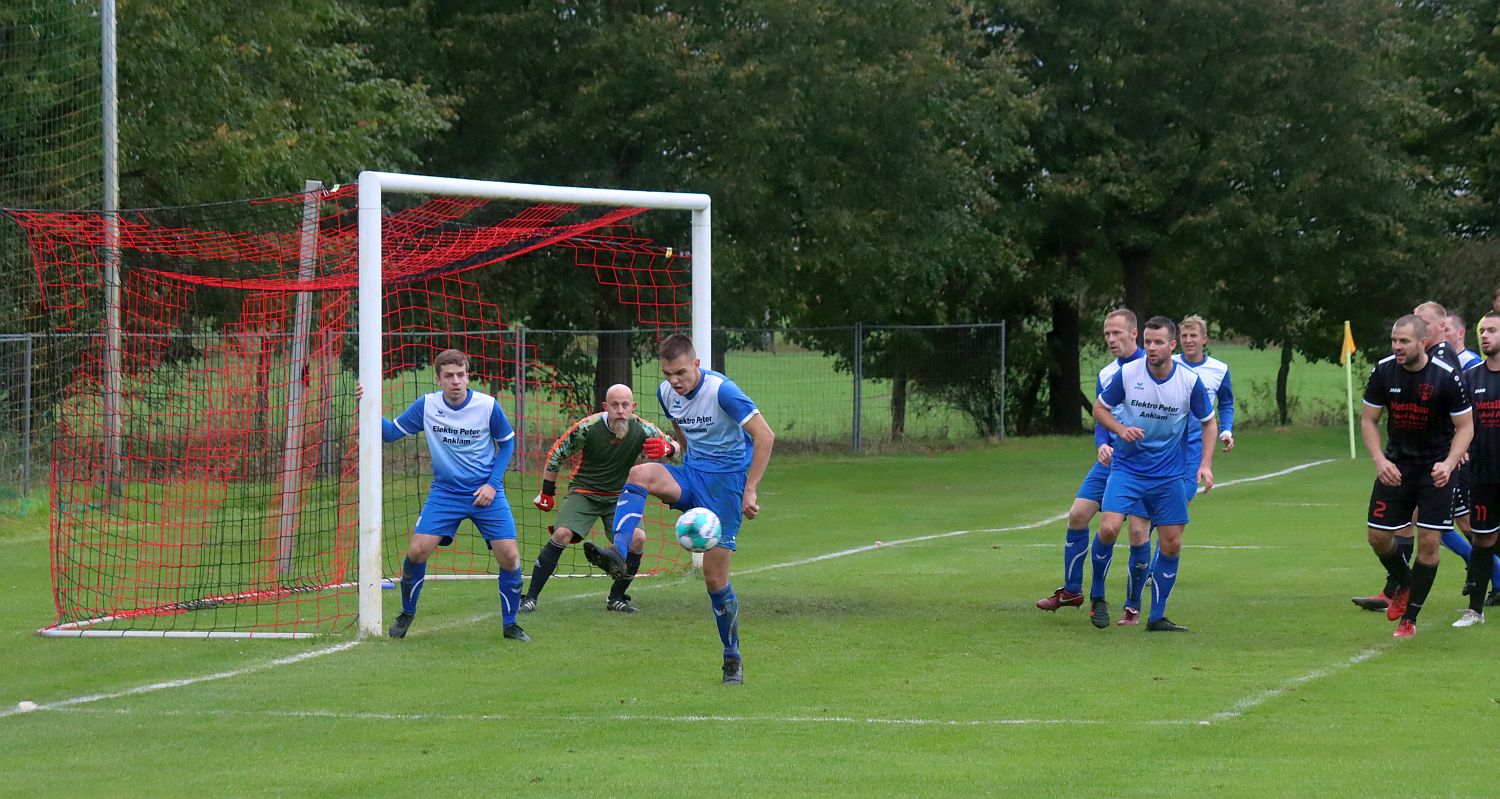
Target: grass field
x=918 y=667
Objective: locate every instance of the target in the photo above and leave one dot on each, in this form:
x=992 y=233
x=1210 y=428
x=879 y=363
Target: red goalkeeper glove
x=544 y=500
x=658 y=448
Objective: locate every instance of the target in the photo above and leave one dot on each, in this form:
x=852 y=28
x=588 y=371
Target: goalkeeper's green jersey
x=607 y=458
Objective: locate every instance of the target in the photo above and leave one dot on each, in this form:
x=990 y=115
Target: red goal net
x=204 y=458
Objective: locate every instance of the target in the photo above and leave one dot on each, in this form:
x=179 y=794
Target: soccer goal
x=211 y=475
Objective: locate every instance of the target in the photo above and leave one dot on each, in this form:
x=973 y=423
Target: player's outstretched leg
x=413 y=577
x=606 y=559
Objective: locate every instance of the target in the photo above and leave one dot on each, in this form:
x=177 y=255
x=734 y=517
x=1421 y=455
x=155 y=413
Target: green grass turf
x=912 y=669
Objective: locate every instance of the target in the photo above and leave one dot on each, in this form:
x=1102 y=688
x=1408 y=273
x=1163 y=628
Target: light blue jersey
x=460 y=439
x=1215 y=376
x=712 y=418
x=1162 y=409
x=1468 y=359
x=1102 y=435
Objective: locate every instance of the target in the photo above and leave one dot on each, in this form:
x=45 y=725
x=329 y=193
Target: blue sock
x=629 y=510
x=1104 y=554
x=510 y=594
x=1495 y=574
x=413 y=575
x=1405 y=546
x=1075 y=548
x=1135 y=581
x=1163 y=577
x=727 y=616
x=1455 y=541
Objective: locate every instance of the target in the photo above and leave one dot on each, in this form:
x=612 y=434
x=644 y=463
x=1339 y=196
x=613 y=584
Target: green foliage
x=220 y=103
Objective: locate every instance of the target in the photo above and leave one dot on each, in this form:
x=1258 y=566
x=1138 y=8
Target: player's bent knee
x=562 y=536
x=638 y=541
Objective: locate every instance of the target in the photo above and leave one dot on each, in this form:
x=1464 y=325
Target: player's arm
x=1463 y=435
x=562 y=449
x=1202 y=409
x=407 y=424
x=1226 y=413
x=760 y=458
x=505 y=446
x=1104 y=406
x=1369 y=432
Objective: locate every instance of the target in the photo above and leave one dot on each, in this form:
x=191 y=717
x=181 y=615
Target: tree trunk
x=1135 y=266
x=898 y=406
x=616 y=362
x=1282 y=411
x=1062 y=372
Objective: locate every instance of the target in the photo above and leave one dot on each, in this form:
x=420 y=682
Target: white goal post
x=373 y=186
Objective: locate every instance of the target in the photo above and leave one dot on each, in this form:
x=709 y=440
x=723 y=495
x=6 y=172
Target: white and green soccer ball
x=698 y=530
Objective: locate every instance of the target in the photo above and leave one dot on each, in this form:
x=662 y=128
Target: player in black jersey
x=1483 y=384
x=1435 y=343
x=1428 y=426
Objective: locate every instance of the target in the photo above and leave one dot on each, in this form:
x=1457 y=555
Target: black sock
x=632 y=563
x=1397 y=572
x=1407 y=546
x=546 y=564
x=1422 y=575
x=1481 y=564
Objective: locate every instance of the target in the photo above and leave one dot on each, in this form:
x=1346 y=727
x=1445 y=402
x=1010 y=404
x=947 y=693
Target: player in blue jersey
x=470 y=442
x=1147 y=408
x=1120 y=339
x=1457 y=330
x=728 y=448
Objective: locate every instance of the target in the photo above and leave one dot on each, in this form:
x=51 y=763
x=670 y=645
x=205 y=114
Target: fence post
x=26 y=420
x=859 y=375
x=1002 y=379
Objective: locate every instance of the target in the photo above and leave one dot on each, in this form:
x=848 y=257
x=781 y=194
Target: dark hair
x=1418 y=325
x=1124 y=313
x=450 y=358
x=675 y=346
x=1163 y=323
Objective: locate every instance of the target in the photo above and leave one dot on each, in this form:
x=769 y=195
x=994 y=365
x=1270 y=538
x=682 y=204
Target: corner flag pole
x=1346 y=355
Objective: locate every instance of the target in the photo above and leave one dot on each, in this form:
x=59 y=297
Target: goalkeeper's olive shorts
x=578 y=513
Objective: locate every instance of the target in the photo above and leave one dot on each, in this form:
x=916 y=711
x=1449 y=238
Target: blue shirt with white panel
x=712 y=417
x=1162 y=408
x=461 y=440
x=1215 y=376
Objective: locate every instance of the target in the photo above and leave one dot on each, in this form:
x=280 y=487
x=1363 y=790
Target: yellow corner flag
x=1345 y=352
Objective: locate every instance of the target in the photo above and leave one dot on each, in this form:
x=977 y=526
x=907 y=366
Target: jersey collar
x=468 y=395
x=1139 y=353
x=1195 y=365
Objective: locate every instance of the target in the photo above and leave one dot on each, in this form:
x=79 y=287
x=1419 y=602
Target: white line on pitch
x=341 y=647
x=1253 y=701
x=631 y=717
x=1032 y=526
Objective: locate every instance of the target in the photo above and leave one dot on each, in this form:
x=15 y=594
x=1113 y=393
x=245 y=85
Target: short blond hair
x=1194 y=320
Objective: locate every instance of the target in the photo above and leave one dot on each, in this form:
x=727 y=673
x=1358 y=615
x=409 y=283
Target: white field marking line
x=1254 y=701
x=1184 y=546
x=628 y=717
x=30 y=539
x=1032 y=526
x=341 y=647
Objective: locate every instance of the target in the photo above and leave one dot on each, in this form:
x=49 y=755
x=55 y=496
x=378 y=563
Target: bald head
x=619 y=406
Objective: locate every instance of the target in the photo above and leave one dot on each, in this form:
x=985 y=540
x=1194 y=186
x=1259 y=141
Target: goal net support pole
x=372 y=188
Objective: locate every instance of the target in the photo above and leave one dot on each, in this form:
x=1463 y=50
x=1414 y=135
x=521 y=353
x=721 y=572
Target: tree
x=219 y=103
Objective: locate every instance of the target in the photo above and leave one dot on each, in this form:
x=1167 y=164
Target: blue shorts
x=1161 y=499
x=445 y=508
x=1092 y=488
x=720 y=492
x=1190 y=486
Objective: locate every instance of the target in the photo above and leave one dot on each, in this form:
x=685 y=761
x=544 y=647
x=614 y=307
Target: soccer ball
x=698 y=530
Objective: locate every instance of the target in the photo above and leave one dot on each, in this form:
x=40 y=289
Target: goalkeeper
x=609 y=443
